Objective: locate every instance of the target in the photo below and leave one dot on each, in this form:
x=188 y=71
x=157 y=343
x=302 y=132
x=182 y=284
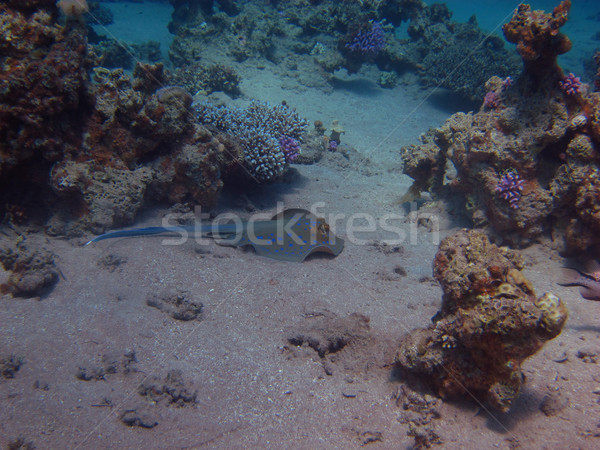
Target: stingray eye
x=323 y=229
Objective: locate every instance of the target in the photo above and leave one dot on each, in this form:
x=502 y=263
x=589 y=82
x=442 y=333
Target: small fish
x=589 y=282
x=290 y=235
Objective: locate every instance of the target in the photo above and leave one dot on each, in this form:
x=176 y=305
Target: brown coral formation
x=142 y=143
x=538 y=37
x=43 y=73
x=490 y=322
x=32 y=269
x=78 y=156
x=547 y=135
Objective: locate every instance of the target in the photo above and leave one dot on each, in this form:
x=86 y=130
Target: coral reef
x=260 y=129
x=491 y=100
x=456 y=56
x=368 y=39
x=290 y=148
x=510 y=187
x=543 y=127
x=77 y=156
x=489 y=323
x=99 y=14
x=571 y=85
x=334 y=35
x=112 y=53
x=44 y=84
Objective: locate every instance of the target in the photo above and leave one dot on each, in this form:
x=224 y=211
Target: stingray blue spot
x=290 y=245
x=260 y=237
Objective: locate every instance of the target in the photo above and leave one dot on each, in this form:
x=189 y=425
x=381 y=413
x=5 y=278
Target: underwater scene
x=299 y=224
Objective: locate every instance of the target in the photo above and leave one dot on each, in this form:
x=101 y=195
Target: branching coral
x=571 y=85
x=510 y=187
x=259 y=129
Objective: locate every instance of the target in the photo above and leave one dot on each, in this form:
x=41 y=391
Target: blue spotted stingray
x=290 y=235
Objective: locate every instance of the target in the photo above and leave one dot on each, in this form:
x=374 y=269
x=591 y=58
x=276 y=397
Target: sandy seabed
x=106 y=365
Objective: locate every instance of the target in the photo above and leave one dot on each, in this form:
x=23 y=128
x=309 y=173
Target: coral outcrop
x=142 y=143
x=196 y=78
x=77 y=155
x=541 y=129
x=491 y=320
x=538 y=37
x=32 y=269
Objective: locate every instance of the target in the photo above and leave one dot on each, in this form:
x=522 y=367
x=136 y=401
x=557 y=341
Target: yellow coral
x=507 y=290
x=554 y=313
x=515 y=277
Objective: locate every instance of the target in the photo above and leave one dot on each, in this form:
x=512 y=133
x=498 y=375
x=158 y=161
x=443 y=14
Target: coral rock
x=537 y=36
x=490 y=322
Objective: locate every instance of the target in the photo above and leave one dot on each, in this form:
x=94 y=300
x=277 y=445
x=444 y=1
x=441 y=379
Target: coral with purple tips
x=571 y=85
x=290 y=148
x=491 y=100
x=510 y=187
x=259 y=127
x=506 y=83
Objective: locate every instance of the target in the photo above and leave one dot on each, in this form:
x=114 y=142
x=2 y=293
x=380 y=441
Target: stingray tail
x=148 y=231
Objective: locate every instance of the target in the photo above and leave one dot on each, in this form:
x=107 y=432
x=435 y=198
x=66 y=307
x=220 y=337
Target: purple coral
x=290 y=148
x=369 y=40
x=491 y=100
x=571 y=85
x=510 y=187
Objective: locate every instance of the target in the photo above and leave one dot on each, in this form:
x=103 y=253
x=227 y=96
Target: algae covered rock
x=33 y=272
x=490 y=322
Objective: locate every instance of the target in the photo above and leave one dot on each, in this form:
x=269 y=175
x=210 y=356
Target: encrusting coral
x=489 y=323
x=142 y=143
x=43 y=72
